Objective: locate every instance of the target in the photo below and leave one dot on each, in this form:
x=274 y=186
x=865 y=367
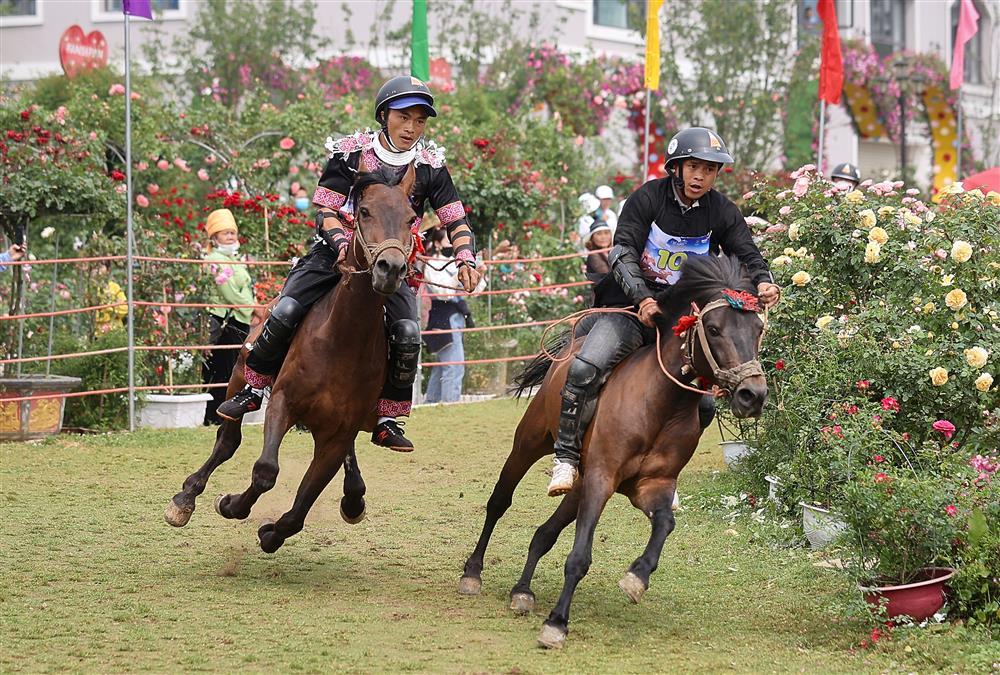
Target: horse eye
x=364 y=212
x=713 y=331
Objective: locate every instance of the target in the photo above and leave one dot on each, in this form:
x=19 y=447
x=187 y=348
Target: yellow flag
x=653 y=44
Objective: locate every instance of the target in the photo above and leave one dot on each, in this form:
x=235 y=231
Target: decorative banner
x=941 y=117
x=441 y=75
x=652 y=69
x=419 y=53
x=79 y=52
x=864 y=111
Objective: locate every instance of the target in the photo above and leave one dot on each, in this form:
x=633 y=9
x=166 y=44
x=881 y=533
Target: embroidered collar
x=387 y=156
x=680 y=202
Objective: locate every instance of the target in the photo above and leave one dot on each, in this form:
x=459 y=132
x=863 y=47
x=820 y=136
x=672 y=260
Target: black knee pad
x=706 y=410
x=404 y=352
x=274 y=338
x=582 y=376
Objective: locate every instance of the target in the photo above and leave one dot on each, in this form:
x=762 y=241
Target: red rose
x=863 y=384
x=881 y=477
x=117 y=175
x=779 y=364
x=878 y=459
x=951 y=510
x=889 y=403
x=25 y=114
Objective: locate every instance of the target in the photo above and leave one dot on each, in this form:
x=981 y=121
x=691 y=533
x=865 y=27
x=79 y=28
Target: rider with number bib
x=402 y=107
x=663 y=223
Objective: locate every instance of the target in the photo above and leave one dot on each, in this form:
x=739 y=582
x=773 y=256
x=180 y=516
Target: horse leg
x=328 y=458
x=352 y=504
x=531 y=443
x=522 y=599
x=656 y=502
x=265 y=469
x=595 y=490
x=180 y=508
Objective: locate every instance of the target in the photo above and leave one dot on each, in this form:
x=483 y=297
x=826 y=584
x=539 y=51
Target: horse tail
x=533 y=373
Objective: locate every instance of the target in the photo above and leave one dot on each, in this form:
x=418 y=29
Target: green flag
x=419 y=58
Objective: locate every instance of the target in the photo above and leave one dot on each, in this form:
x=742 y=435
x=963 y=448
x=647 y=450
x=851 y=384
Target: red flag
x=831 y=64
x=968 y=24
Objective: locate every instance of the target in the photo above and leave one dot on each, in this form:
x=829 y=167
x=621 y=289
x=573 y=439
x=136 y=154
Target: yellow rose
x=956 y=299
x=912 y=219
x=984 y=382
x=976 y=356
x=977 y=193
x=781 y=261
x=823 y=321
x=789 y=251
x=929 y=307
x=947 y=279
x=896 y=345
x=801 y=278
x=878 y=235
x=993 y=197
x=961 y=251
x=854 y=197
x=954 y=189
x=800 y=252
x=939 y=376
x=873 y=252
x=868 y=219
x=793 y=231
x=954 y=325
x=886 y=211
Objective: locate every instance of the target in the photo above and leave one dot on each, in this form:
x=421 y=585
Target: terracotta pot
x=919 y=600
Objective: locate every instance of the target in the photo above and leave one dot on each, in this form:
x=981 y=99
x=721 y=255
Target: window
x=808 y=19
x=157 y=5
x=20 y=13
x=974 y=47
x=627 y=14
x=888 y=29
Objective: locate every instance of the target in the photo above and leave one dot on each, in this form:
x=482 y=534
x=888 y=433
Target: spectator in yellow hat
x=232 y=286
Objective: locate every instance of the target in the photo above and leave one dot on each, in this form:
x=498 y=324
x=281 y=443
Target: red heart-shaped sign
x=79 y=52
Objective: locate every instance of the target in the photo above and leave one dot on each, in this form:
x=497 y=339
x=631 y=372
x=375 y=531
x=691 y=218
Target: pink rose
x=152 y=188
x=578 y=140
x=951 y=510
x=295 y=186
x=93 y=135
x=142 y=201
x=945 y=428
x=801 y=186
x=181 y=164
x=293 y=170
x=135 y=96
x=163 y=165
x=785 y=210
x=348 y=108
x=202 y=174
x=210 y=159
x=286 y=143
x=116 y=90
x=142 y=166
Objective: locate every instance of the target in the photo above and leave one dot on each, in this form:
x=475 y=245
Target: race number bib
x=664 y=254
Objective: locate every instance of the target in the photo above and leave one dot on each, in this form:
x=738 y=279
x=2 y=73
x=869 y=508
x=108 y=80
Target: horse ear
x=409 y=179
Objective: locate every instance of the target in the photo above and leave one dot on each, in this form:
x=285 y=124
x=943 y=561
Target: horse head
x=383 y=218
x=724 y=330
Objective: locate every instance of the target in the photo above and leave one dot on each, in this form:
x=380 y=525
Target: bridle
x=372 y=252
x=728 y=379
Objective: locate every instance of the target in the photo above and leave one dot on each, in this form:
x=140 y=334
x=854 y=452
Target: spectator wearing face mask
x=300 y=198
x=232 y=285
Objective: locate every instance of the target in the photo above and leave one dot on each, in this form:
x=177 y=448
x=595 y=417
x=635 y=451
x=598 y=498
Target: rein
x=730 y=378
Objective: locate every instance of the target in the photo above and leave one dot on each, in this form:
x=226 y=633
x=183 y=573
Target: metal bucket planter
x=162 y=411
x=734 y=451
x=25 y=420
x=773 y=488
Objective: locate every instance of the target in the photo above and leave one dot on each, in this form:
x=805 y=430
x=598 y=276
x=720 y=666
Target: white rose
x=823 y=321
x=48 y=232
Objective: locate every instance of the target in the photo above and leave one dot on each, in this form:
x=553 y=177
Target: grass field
x=94 y=580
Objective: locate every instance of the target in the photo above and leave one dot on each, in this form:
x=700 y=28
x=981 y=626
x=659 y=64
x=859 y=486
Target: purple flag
x=138 y=8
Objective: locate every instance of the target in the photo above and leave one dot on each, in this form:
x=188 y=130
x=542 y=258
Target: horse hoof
x=353 y=520
x=177 y=516
x=522 y=603
x=269 y=541
x=470 y=586
x=551 y=637
x=218 y=505
x=632 y=586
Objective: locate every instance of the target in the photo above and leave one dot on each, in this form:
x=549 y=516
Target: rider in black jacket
x=663 y=223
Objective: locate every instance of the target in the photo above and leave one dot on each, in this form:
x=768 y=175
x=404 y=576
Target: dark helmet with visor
x=402 y=92
x=697 y=143
x=846 y=171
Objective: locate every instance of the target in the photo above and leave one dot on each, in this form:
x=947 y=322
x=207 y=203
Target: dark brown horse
x=644 y=431
x=333 y=373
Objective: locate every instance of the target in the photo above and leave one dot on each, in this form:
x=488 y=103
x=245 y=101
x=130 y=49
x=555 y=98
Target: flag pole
x=645 y=156
x=129 y=232
x=958 y=140
x=822 y=124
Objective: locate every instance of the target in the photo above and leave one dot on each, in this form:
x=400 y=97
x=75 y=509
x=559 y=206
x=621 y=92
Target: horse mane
x=702 y=278
x=381 y=176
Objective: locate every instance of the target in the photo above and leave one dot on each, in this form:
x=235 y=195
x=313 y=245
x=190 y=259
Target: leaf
x=978 y=527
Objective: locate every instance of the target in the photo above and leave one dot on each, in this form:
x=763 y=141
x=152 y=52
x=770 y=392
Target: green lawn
x=94 y=580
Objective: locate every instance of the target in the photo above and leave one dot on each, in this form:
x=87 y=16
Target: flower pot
x=820 y=525
x=24 y=420
x=163 y=411
x=919 y=600
x=734 y=451
x=773 y=485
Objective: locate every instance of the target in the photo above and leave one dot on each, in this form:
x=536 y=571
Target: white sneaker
x=563 y=478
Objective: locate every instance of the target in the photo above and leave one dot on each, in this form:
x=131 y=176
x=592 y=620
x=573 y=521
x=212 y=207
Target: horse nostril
x=383 y=267
x=746 y=396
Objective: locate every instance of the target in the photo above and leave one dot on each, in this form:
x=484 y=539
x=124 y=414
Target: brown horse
x=332 y=376
x=644 y=430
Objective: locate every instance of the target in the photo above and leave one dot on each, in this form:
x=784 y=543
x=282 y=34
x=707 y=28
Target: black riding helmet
x=846 y=171
x=402 y=92
x=699 y=143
